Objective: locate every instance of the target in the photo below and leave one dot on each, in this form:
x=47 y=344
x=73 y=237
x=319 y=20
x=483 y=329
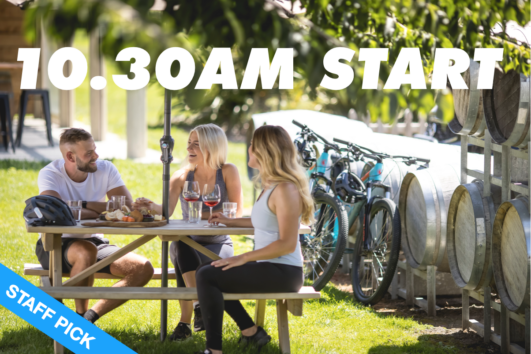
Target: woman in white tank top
x=275 y=264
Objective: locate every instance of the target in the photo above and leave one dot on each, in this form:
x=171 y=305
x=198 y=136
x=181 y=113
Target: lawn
x=333 y=324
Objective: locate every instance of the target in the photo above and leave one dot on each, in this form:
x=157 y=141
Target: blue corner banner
x=53 y=318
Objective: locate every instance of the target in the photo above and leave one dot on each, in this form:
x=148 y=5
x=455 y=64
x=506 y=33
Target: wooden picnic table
x=175 y=230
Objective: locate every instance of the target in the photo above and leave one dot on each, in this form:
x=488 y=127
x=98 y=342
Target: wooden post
x=56 y=257
x=47 y=49
x=422 y=124
x=506 y=173
x=136 y=124
x=506 y=195
x=380 y=127
x=431 y=284
x=408 y=119
x=67 y=99
x=504 y=328
x=410 y=286
x=487 y=326
x=487 y=167
x=465 y=309
x=259 y=313
x=464 y=158
x=283 y=326
x=394 y=286
x=98 y=98
x=527 y=329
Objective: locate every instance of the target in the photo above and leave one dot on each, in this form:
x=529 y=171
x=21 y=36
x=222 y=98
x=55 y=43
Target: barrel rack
x=429 y=275
x=502 y=160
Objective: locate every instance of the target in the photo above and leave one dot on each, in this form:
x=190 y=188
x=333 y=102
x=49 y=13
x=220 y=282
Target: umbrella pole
x=166 y=146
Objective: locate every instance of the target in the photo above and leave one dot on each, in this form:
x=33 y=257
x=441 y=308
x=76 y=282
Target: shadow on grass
x=23 y=165
x=30 y=340
x=428 y=344
x=25 y=340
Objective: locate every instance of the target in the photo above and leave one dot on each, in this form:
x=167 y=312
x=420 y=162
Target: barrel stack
x=469 y=235
x=468 y=105
x=423 y=204
x=511 y=252
x=506 y=108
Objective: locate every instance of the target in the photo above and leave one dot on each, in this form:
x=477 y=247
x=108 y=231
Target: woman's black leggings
x=185 y=259
x=253 y=277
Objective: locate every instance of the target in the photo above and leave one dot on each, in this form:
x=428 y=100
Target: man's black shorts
x=104 y=251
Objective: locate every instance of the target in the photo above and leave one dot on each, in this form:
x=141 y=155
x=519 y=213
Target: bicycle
x=323 y=248
x=377 y=245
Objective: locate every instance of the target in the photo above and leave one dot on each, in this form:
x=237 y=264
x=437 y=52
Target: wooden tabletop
x=6 y=66
x=174 y=228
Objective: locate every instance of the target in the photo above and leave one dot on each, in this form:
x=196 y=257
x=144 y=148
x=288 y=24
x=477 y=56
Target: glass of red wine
x=211 y=198
x=191 y=192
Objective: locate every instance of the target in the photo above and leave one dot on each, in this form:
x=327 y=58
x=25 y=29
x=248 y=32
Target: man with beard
x=79 y=175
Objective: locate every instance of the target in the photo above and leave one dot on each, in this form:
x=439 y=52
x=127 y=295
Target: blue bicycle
x=377 y=245
x=323 y=248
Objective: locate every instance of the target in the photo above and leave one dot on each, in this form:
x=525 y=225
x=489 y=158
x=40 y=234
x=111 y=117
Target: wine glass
x=211 y=198
x=191 y=191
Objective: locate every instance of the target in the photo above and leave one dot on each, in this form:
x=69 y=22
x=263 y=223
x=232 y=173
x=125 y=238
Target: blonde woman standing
x=275 y=264
x=207 y=155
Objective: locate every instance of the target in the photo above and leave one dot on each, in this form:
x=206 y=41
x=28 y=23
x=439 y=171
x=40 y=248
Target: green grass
x=333 y=324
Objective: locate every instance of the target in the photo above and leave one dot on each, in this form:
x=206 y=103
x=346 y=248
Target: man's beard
x=86 y=167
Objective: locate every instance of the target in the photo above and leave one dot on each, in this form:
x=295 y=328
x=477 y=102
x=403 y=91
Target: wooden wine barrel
x=469 y=235
x=506 y=108
x=423 y=204
x=511 y=251
x=468 y=105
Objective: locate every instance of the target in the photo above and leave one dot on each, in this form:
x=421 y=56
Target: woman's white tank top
x=266 y=231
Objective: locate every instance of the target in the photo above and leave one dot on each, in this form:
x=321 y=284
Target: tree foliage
x=200 y=25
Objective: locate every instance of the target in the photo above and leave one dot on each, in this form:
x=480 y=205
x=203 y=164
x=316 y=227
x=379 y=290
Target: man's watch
x=84 y=204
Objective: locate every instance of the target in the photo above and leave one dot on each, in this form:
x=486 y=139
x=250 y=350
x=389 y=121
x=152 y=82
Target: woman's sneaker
x=198 y=320
x=181 y=332
x=259 y=339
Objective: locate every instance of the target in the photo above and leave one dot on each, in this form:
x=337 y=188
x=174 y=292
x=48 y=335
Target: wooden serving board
x=124 y=224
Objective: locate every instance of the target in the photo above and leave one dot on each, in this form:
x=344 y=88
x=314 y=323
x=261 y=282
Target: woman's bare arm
x=232 y=180
x=285 y=202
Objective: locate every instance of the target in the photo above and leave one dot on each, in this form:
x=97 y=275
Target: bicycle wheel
x=374 y=263
x=324 y=246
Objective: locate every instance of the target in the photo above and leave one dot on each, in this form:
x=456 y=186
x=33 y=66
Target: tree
x=201 y=25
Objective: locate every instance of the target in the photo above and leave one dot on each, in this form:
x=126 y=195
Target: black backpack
x=45 y=210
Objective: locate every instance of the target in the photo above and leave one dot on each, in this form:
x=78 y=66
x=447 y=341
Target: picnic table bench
x=175 y=230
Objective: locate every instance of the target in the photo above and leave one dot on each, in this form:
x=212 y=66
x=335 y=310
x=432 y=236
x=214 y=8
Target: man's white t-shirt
x=53 y=177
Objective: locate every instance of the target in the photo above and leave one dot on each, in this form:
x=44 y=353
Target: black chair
x=24 y=97
x=5 y=120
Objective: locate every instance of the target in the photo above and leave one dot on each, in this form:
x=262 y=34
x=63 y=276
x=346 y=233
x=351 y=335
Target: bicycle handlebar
x=349 y=144
x=302 y=126
x=376 y=155
x=336 y=140
x=411 y=157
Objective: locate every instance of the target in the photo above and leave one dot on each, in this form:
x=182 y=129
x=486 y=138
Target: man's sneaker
x=198 y=320
x=181 y=332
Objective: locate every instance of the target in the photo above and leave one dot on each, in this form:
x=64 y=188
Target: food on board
x=137 y=215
